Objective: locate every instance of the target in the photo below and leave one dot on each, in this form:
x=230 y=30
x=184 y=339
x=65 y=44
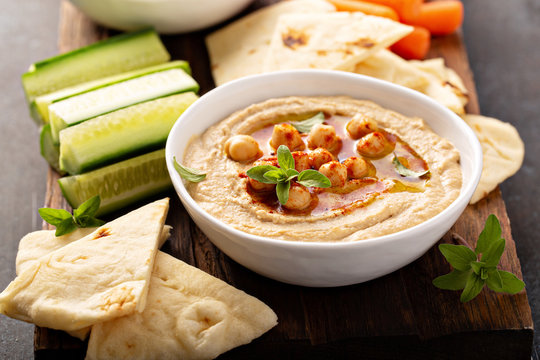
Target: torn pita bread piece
x=100 y=277
x=503 y=152
x=386 y=65
x=239 y=49
x=189 y=315
x=335 y=41
x=42 y=242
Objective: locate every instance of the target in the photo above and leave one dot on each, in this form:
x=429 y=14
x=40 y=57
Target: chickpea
x=361 y=125
x=258 y=186
x=286 y=134
x=301 y=161
x=243 y=148
x=320 y=156
x=324 y=136
x=357 y=168
x=374 y=145
x=335 y=172
x=299 y=197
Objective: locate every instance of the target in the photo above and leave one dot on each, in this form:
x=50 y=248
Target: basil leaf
x=282 y=191
x=305 y=126
x=313 y=178
x=88 y=208
x=494 y=252
x=477 y=267
x=403 y=171
x=65 y=227
x=494 y=281
x=54 y=216
x=189 y=174
x=276 y=176
x=472 y=288
x=492 y=231
x=257 y=173
x=459 y=256
x=285 y=158
x=88 y=221
x=291 y=174
x=455 y=280
x=511 y=283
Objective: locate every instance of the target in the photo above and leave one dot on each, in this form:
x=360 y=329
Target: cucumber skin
x=48 y=149
x=71 y=185
x=37 y=69
x=77 y=166
x=78 y=89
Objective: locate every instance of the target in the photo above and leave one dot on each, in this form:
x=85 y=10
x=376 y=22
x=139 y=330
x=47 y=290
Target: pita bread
x=42 y=242
x=336 y=41
x=386 y=65
x=503 y=152
x=446 y=75
x=189 y=315
x=240 y=48
x=102 y=276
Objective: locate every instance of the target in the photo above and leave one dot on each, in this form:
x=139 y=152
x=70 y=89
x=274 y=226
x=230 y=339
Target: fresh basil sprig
x=404 y=171
x=82 y=217
x=469 y=274
x=305 y=126
x=283 y=175
x=191 y=175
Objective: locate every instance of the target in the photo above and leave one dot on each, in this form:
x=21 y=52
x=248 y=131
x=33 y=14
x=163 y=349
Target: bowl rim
x=463 y=197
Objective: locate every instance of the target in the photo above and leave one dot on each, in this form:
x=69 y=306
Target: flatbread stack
x=138 y=302
x=304 y=34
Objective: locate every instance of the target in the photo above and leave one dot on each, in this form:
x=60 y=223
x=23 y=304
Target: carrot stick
x=366 y=8
x=440 y=17
x=413 y=46
x=406 y=9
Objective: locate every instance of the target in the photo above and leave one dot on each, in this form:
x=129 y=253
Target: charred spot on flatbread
x=102 y=233
x=293 y=38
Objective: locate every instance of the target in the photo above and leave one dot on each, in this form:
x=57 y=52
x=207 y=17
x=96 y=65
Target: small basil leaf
x=494 y=281
x=459 y=256
x=492 y=231
x=511 y=283
x=403 y=171
x=54 y=216
x=88 y=208
x=257 y=173
x=285 y=158
x=93 y=222
x=189 y=174
x=483 y=273
x=275 y=176
x=494 y=252
x=313 y=178
x=282 y=191
x=455 y=280
x=472 y=288
x=305 y=126
x=477 y=267
x=65 y=227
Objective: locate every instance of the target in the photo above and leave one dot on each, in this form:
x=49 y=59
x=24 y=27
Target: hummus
x=388 y=203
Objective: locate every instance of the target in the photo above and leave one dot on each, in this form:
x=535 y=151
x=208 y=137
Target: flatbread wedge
x=335 y=41
x=503 y=152
x=239 y=49
x=97 y=278
x=386 y=65
x=189 y=315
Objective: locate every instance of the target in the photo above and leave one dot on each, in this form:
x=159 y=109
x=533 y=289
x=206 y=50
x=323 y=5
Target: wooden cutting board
x=401 y=315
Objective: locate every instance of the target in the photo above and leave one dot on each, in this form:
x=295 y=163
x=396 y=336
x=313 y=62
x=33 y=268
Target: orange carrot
x=366 y=8
x=406 y=9
x=413 y=46
x=440 y=17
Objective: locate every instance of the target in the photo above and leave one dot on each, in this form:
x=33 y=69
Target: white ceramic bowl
x=324 y=264
x=166 y=16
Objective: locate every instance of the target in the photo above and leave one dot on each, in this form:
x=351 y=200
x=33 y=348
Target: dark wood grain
x=401 y=315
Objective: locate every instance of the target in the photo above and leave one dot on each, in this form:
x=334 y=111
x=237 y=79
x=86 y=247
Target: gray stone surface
x=501 y=37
